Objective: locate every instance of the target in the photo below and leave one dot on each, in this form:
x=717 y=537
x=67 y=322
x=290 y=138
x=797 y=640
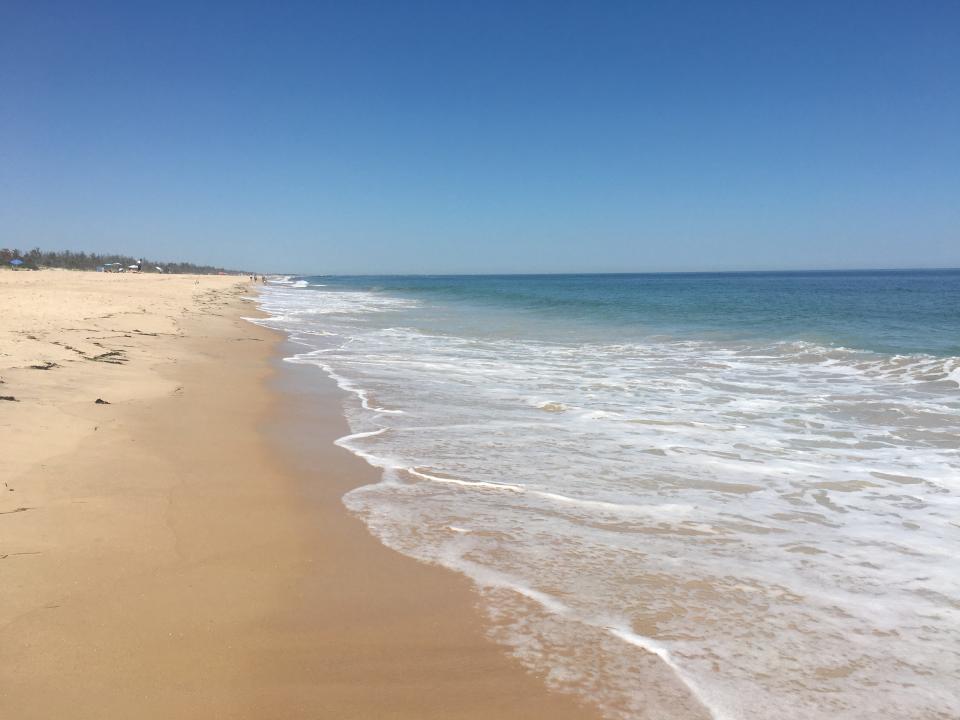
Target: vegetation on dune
x=36 y=258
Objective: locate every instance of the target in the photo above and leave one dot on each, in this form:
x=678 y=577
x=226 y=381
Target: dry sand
x=182 y=552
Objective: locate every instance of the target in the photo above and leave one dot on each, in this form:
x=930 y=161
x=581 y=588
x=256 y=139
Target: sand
x=181 y=550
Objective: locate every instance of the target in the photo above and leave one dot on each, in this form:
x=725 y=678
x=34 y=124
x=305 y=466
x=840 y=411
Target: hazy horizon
x=758 y=271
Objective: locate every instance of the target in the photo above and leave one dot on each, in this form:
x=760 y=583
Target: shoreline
x=409 y=631
x=184 y=552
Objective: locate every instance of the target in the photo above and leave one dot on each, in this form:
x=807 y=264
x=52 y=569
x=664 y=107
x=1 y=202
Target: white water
x=676 y=529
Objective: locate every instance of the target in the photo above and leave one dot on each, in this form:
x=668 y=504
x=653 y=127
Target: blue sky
x=485 y=136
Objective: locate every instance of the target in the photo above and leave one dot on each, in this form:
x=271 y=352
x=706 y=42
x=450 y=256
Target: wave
x=718 y=503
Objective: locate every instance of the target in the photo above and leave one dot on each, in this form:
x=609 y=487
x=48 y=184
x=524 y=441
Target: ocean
x=730 y=495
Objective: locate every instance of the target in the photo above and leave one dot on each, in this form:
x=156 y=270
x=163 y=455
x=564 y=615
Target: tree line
x=36 y=258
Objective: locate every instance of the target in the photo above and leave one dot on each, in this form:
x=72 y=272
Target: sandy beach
x=172 y=540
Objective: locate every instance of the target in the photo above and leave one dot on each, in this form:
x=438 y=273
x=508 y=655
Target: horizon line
x=623 y=272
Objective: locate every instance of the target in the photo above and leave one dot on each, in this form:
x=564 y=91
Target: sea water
x=690 y=495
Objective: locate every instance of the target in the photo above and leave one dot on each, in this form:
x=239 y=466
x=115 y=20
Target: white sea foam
x=776 y=524
x=954 y=373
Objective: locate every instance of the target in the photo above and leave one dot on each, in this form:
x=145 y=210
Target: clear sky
x=485 y=136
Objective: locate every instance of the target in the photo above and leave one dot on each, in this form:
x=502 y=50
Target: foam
x=466 y=483
x=741 y=504
x=652 y=646
x=659 y=509
x=954 y=375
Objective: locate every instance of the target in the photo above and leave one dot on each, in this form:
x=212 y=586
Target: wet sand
x=183 y=551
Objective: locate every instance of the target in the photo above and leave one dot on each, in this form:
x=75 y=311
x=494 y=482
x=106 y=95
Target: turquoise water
x=727 y=496
x=896 y=311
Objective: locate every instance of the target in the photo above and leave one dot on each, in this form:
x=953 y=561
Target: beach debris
x=15 y=510
x=10 y=489
x=44 y=366
x=11 y=398
x=100 y=401
x=113 y=356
